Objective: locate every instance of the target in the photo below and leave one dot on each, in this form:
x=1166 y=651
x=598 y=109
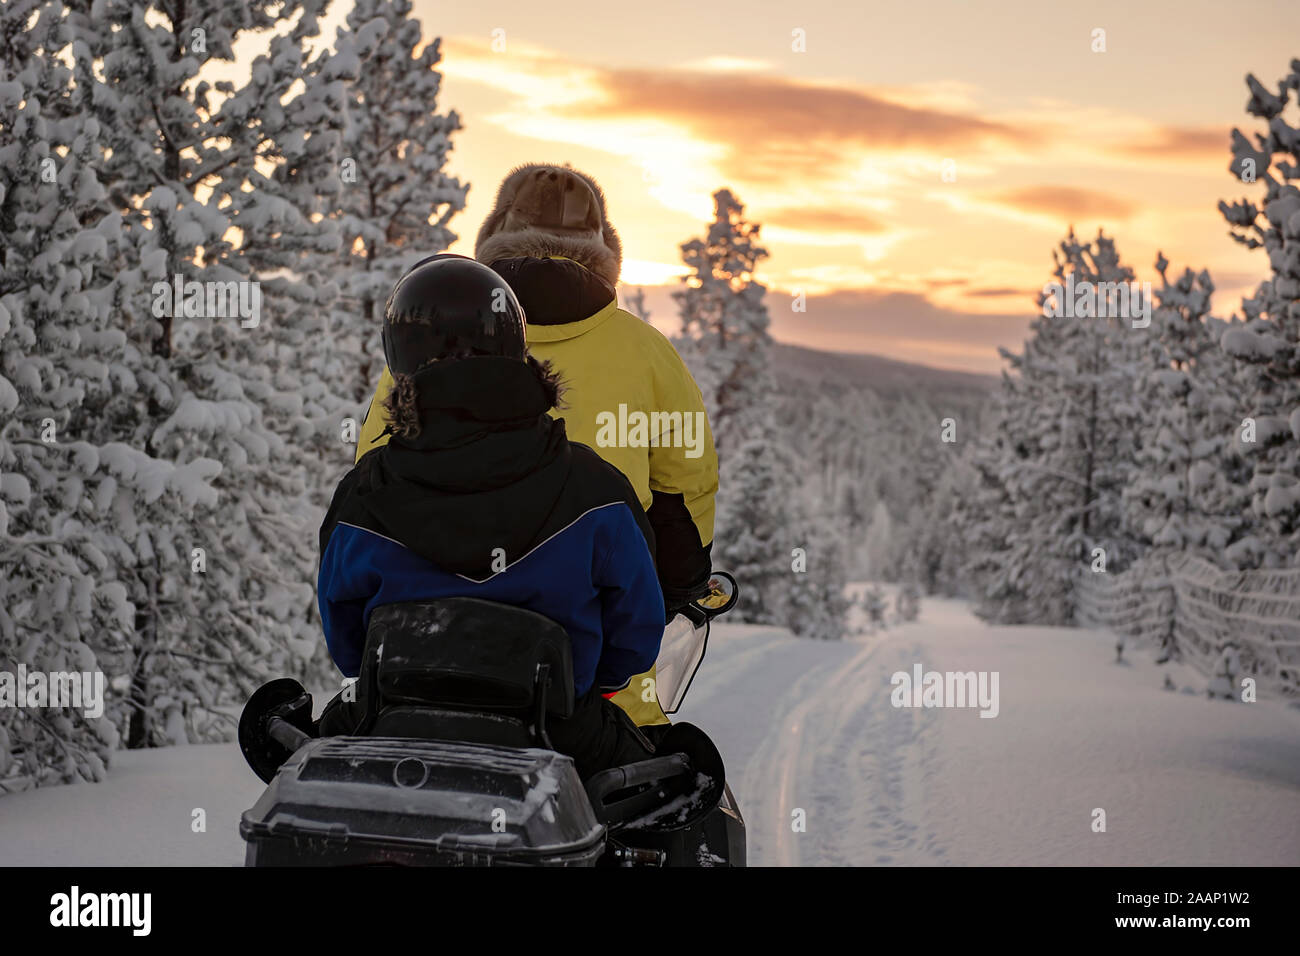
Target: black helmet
x=449 y=304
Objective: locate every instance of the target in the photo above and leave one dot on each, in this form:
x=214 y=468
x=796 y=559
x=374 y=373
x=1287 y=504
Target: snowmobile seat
x=430 y=723
x=464 y=654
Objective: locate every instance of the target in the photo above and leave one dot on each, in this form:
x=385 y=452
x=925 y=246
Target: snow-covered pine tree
x=1184 y=495
x=54 y=604
x=879 y=541
x=1100 y=403
x=752 y=540
x=834 y=435
x=816 y=604
x=926 y=436
x=991 y=539
x=761 y=518
x=822 y=438
x=293 y=111
x=1267 y=344
x=1223 y=498
x=214 y=182
x=396 y=197
x=724 y=335
x=907 y=603
x=936 y=556
x=790 y=563
x=65 y=477
x=1064 y=447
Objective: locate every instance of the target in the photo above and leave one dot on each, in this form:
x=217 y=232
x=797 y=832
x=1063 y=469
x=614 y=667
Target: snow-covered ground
x=1182 y=779
x=810 y=726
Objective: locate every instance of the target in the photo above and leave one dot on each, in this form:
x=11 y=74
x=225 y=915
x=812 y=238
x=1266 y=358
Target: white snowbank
x=142 y=815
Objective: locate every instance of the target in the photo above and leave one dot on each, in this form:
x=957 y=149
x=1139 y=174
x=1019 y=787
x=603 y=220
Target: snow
x=678 y=809
x=1184 y=780
x=150 y=796
x=1282 y=498
x=1250 y=344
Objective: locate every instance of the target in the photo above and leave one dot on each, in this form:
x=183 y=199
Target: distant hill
x=795 y=364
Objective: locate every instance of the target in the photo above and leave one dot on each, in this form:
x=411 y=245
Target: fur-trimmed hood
x=543 y=210
x=451 y=400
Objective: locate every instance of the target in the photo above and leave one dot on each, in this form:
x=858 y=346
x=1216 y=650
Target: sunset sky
x=838 y=150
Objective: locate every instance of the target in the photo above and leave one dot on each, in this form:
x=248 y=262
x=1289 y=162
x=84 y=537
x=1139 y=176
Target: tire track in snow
x=886 y=759
x=853 y=763
x=809 y=725
x=793 y=756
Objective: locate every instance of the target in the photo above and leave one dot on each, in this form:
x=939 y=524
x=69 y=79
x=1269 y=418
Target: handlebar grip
x=635 y=774
x=286 y=734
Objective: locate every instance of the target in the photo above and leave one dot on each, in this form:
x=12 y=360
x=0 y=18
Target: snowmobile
x=452 y=764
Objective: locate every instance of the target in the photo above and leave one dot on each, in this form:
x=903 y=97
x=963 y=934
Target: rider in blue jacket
x=479 y=493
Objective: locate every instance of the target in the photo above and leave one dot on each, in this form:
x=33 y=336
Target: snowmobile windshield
x=680 y=654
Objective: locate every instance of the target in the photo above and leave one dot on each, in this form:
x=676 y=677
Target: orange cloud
x=1199 y=143
x=999 y=292
x=823 y=219
x=904 y=325
x=776 y=127
x=1067 y=202
x=753 y=127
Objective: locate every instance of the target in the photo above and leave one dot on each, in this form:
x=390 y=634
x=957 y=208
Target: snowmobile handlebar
x=687 y=759
x=275 y=722
x=286 y=734
x=634 y=775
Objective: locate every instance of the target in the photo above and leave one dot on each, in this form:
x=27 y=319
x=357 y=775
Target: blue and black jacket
x=491 y=500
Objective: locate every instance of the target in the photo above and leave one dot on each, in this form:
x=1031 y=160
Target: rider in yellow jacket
x=627 y=394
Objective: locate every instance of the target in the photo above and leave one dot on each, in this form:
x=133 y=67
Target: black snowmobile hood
x=485 y=471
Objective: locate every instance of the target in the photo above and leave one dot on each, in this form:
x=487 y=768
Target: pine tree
x=996 y=554
x=1268 y=343
x=753 y=541
x=834 y=436
x=396 y=197
x=816 y=604
x=936 y=561
x=724 y=335
x=164 y=462
x=1065 y=445
x=1183 y=494
x=64 y=476
x=789 y=558
x=214 y=183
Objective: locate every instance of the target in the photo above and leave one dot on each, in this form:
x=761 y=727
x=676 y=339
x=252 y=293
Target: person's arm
x=683 y=483
x=345 y=583
x=632 y=604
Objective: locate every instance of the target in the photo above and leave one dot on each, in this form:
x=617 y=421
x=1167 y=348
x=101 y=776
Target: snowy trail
x=1183 y=779
x=832 y=747
x=806 y=725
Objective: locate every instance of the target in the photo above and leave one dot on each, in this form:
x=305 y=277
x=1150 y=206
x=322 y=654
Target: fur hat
x=544 y=210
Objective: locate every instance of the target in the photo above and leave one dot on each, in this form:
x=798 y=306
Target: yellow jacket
x=615 y=365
